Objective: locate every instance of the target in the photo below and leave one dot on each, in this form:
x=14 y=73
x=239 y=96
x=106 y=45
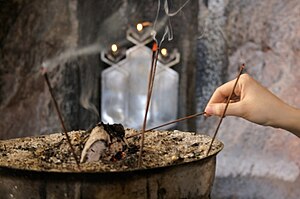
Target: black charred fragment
x=195 y=144
x=133 y=149
x=117 y=156
x=114 y=130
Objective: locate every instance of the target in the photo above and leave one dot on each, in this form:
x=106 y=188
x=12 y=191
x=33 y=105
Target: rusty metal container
x=184 y=180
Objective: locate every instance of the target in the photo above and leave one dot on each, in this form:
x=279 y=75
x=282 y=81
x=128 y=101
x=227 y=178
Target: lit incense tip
x=154 y=47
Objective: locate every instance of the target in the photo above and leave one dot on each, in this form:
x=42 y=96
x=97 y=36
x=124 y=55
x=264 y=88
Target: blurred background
x=213 y=38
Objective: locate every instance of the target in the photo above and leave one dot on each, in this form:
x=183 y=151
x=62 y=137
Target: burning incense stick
x=60 y=117
x=224 y=112
x=149 y=94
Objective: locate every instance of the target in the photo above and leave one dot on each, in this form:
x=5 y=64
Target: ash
x=52 y=152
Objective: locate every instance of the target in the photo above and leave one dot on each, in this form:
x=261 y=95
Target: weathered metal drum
x=184 y=180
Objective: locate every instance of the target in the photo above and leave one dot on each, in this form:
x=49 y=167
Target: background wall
x=257 y=162
x=68 y=35
x=213 y=37
x=32 y=31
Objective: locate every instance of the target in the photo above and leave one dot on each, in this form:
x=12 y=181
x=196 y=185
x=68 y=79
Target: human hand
x=255 y=103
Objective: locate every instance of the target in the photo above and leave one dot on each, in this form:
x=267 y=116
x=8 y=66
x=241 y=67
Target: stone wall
x=257 y=162
x=31 y=31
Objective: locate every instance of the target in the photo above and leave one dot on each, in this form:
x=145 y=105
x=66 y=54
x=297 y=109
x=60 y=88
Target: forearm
x=289 y=120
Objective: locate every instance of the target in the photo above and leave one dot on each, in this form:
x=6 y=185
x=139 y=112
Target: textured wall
x=257 y=162
x=68 y=36
x=31 y=31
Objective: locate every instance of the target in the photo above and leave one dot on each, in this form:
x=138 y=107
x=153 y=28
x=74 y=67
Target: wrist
x=290 y=120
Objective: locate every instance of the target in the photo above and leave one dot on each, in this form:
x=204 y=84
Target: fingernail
x=209 y=110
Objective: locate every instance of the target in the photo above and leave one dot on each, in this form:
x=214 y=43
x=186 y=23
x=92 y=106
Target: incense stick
x=149 y=94
x=224 y=112
x=168 y=123
x=60 y=117
x=177 y=120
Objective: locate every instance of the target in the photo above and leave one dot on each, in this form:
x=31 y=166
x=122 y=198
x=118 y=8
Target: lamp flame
x=139 y=27
x=164 y=52
x=114 y=48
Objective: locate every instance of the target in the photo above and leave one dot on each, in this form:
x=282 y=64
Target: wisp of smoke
x=70 y=54
x=86 y=103
x=165 y=21
x=105 y=39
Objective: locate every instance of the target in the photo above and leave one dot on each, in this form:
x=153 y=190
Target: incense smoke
x=165 y=21
x=107 y=30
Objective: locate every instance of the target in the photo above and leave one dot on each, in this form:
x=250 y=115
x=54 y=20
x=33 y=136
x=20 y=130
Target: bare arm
x=254 y=103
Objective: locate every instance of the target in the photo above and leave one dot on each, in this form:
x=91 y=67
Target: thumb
x=233 y=109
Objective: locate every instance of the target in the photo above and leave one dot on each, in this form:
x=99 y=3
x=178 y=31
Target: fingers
x=222 y=93
x=217 y=102
x=233 y=109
